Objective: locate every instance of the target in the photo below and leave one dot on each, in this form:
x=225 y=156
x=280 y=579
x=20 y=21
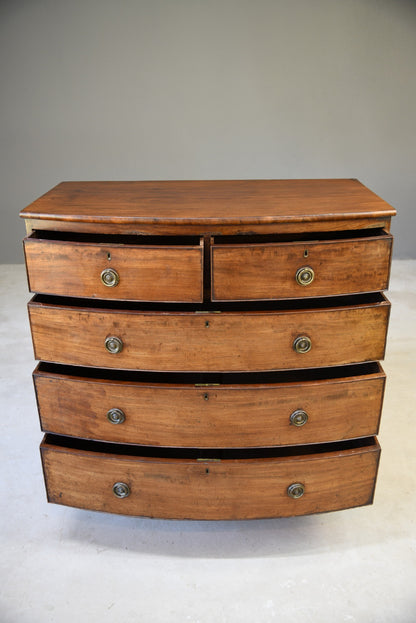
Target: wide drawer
x=139 y=268
x=227 y=338
x=272 y=268
x=227 y=485
x=234 y=410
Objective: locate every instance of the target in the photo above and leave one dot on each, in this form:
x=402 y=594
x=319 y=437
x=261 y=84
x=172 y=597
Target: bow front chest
x=209 y=349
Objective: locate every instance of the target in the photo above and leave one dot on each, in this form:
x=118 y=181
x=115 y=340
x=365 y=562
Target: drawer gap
x=250 y=306
x=122 y=239
x=83 y=445
x=300 y=236
x=210 y=378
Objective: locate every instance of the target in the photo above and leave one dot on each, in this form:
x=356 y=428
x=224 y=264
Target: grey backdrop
x=176 y=89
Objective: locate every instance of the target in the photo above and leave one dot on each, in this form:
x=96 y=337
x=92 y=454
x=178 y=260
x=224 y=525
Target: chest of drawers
x=209 y=349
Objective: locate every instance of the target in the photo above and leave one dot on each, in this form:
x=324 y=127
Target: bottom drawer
x=209 y=484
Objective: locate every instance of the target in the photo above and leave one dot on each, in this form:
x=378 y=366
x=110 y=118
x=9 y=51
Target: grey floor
x=62 y=564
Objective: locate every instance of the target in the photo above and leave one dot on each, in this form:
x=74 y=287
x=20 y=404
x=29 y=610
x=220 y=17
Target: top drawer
x=134 y=268
x=264 y=267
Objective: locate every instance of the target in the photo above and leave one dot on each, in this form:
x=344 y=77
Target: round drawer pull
x=302 y=344
x=121 y=490
x=115 y=416
x=299 y=417
x=113 y=344
x=296 y=490
x=305 y=275
x=110 y=277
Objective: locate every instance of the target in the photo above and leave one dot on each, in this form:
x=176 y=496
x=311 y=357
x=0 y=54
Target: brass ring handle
x=298 y=417
x=115 y=416
x=305 y=275
x=114 y=344
x=121 y=490
x=110 y=277
x=302 y=344
x=296 y=490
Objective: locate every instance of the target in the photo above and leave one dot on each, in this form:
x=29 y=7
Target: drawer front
x=228 y=341
x=225 y=489
x=212 y=416
x=283 y=270
x=132 y=272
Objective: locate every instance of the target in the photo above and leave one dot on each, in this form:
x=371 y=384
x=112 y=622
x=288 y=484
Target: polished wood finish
x=206 y=229
x=266 y=270
x=207 y=385
x=227 y=489
x=226 y=341
x=218 y=416
x=214 y=203
x=71 y=268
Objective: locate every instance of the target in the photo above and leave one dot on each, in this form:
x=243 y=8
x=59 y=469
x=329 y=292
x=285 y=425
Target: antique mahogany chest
x=209 y=349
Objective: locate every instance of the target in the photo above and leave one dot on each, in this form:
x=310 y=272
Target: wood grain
x=159 y=414
x=217 y=202
x=227 y=489
x=226 y=341
x=206 y=228
x=268 y=271
x=147 y=273
x=256 y=452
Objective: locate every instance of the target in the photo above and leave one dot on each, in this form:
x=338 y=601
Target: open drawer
x=136 y=268
x=216 y=411
x=191 y=484
x=308 y=265
x=224 y=337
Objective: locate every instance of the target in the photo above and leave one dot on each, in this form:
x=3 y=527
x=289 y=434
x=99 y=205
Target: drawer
x=276 y=268
x=226 y=338
x=229 y=410
x=229 y=484
x=141 y=268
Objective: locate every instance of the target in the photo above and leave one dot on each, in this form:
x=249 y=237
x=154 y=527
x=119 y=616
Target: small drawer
x=136 y=268
x=227 y=338
x=225 y=411
x=273 y=267
x=228 y=484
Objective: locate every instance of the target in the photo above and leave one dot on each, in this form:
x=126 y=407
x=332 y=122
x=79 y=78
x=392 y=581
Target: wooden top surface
x=208 y=202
